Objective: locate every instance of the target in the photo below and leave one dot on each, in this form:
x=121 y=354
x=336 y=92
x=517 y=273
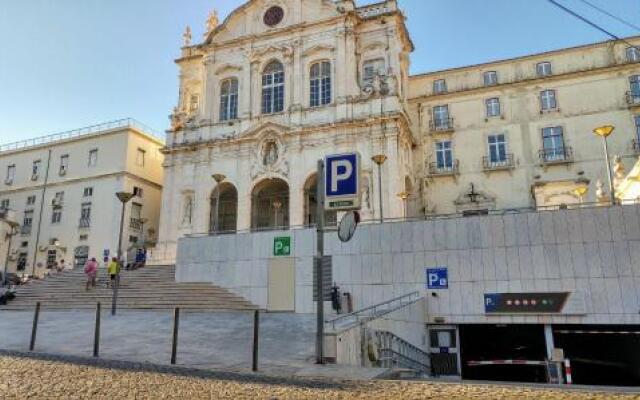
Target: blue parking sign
x=437 y=278
x=342 y=183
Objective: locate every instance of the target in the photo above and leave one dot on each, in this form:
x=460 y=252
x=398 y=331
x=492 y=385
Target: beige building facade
x=61 y=190
x=278 y=85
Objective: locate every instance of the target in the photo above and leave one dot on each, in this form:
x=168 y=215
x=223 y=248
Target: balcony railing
x=85 y=222
x=636 y=146
x=135 y=223
x=561 y=155
x=444 y=170
x=633 y=98
x=441 y=125
x=494 y=165
x=25 y=229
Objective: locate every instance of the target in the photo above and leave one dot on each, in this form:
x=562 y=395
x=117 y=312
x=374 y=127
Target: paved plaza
x=43 y=377
x=206 y=340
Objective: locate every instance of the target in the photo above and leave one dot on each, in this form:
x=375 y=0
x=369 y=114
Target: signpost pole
x=319 y=255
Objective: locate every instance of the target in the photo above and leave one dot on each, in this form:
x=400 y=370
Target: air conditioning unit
x=34 y=177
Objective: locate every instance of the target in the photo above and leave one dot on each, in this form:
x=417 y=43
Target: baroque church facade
x=279 y=84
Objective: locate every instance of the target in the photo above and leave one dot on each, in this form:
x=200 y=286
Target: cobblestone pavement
x=47 y=377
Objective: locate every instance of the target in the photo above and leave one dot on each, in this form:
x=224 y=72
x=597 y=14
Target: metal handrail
x=556 y=155
x=489 y=164
x=87 y=130
x=435 y=169
x=376 y=310
x=441 y=124
x=395 y=351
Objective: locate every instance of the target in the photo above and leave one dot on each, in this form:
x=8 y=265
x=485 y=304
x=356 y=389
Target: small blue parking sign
x=342 y=183
x=437 y=278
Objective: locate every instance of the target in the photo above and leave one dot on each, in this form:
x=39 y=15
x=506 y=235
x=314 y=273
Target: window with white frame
x=441 y=117
x=543 y=69
x=229 y=99
x=634 y=85
x=93 y=158
x=497 y=149
x=490 y=78
x=85 y=215
x=58 y=198
x=444 y=155
x=633 y=54
x=64 y=164
x=493 y=107
x=637 y=121
x=137 y=191
x=35 y=169
x=27 y=220
x=553 y=143
x=140 y=157
x=370 y=69
x=4 y=204
x=11 y=173
x=273 y=88
x=439 y=86
x=87 y=192
x=320 y=84
x=548 y=100
x=31 y=200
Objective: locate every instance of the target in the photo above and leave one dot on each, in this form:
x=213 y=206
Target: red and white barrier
x=567 y=371
x=505 y=362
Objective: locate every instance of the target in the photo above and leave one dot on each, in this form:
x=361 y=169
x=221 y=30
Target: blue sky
x=65 y=64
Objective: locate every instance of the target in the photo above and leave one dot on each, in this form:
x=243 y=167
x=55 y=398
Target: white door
x=282 y=285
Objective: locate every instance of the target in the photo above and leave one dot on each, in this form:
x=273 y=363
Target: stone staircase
x=148 y=288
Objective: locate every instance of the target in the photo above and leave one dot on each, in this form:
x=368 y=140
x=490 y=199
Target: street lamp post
x=219 y=178
x=604 y=132
x=9 y=236
x=379 y=159
x=124 y=198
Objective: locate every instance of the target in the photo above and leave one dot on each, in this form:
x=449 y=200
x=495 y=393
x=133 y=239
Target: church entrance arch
x=227 y=210
x=270 y=204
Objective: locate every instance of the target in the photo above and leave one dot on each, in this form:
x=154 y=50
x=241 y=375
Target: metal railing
x=506 y=163
x=441 y=125
x=85 y=222
x=374 y=311
x=397 y=352
x=556 y=155
x=88 y=130
x=633 y=98
x=439 y=170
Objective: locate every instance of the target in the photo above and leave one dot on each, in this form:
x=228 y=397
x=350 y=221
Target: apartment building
x=61 y=190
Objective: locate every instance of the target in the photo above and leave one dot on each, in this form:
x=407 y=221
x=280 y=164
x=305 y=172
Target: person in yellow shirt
x=113 y=269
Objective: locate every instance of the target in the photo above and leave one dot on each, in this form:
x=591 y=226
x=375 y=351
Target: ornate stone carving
x=473 y=199
x=186 y=36
x=269 y=159
x=212 y=22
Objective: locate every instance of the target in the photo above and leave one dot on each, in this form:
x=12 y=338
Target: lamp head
x=124 y=197
x=403 y=195
x=379 y=159
x=604 y=131
x=580 y=191
x=219 y=178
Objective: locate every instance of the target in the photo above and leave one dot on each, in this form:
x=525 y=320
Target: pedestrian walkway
x=148 y=288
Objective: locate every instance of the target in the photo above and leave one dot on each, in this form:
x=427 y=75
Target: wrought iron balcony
x=135 y=223
x=495 y=165
x=561 y=155
x=444 y=170
x=636 y=146
x=633 y=99
x=441 y=125
x=85 y=222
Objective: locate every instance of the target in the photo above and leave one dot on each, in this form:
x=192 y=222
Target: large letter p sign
x=341 y=170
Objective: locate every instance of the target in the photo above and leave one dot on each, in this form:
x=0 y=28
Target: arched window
x=229 y=99
x=320 y=84
x=273 y=88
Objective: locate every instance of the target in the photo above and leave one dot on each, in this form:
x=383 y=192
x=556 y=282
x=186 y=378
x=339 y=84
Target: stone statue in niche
x=187 y=214
x=270 y=153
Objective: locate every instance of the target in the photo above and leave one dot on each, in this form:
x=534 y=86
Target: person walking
x=91 y=270
x=113 y=269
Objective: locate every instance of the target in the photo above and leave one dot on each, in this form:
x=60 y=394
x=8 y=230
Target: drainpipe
x=44 y=191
